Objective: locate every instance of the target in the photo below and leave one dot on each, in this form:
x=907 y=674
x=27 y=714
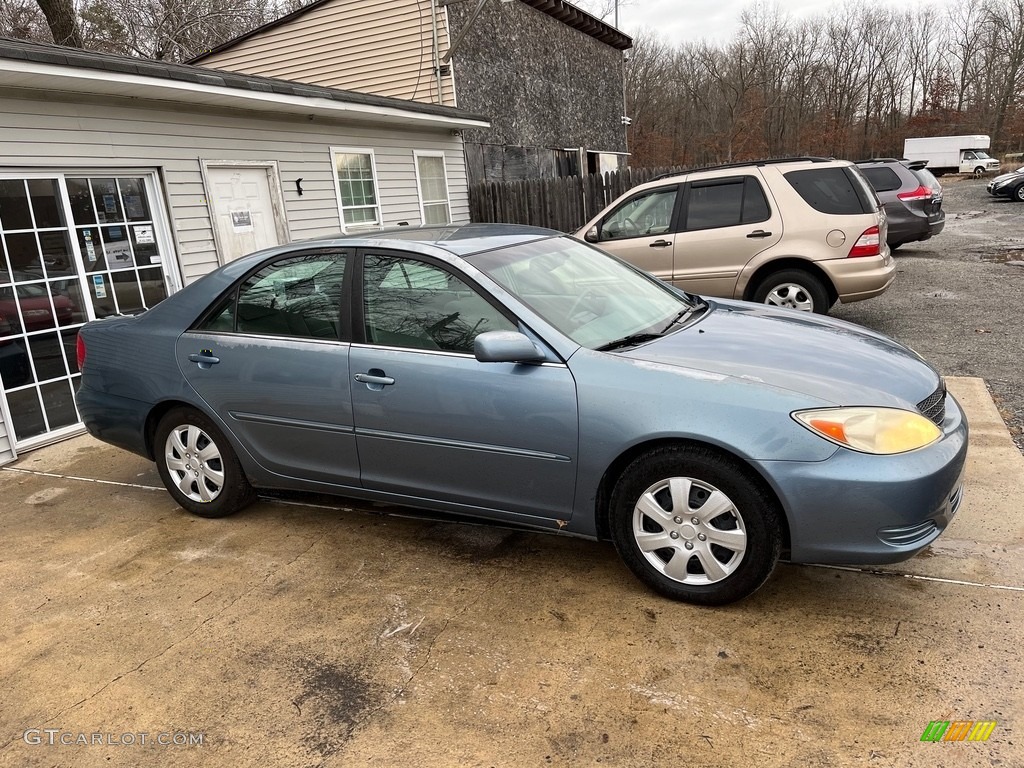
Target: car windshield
x=596 y=300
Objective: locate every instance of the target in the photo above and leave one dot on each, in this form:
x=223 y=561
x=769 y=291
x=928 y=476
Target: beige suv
x=798 y=232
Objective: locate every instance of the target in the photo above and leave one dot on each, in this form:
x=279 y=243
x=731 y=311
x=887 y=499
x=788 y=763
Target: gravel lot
x=957 y=298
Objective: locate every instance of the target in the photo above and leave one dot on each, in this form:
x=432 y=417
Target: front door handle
x=205 y=359
x=758 y=233
x=374 y=379
x=660 y=244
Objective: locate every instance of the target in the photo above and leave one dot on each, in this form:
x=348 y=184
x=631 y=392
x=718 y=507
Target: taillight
x=921 y=193
x=867 y=244
x=80 y=351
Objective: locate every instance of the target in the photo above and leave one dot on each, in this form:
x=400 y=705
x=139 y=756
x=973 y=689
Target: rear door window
x=725 y=203
x=299 y=296
x=833 y=190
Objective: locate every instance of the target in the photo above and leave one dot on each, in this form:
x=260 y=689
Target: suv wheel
x=793 y=289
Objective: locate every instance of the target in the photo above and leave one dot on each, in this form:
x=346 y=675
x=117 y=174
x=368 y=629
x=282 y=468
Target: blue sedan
x=521 y=376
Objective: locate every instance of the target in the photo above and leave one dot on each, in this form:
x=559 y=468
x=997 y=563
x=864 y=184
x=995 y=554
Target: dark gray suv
x=912 y=197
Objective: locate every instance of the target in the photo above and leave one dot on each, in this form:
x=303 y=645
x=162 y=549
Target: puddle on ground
x=1002 y=255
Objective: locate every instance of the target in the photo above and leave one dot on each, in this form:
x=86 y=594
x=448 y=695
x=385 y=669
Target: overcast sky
x=677 y=21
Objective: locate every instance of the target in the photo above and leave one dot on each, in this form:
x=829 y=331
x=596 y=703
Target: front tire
x=198 y=466
x=1018 y=194
x=695 y=526
x=793 y=289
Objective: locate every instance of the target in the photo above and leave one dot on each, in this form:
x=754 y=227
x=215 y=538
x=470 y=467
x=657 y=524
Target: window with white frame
x=433 y=184
x=356 y=179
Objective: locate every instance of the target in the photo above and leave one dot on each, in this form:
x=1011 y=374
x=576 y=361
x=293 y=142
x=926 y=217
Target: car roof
x=748 y=164
x=457 y=239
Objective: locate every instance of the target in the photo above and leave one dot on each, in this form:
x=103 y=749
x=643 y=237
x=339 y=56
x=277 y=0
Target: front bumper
x=859 y=509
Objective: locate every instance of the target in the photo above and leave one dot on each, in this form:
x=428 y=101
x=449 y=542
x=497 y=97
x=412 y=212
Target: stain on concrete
x=476 y=542
x=334 y=702
x=45 y=497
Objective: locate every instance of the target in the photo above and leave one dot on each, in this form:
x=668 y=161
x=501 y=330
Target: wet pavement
x=334 y=635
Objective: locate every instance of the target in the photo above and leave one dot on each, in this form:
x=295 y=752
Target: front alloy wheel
x=695 y=525
x=689 y=531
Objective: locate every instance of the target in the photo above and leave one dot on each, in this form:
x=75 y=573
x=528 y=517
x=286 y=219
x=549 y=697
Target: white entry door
x=245 y=202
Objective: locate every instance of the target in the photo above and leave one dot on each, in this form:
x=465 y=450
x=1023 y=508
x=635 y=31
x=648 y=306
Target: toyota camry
x=521 y=376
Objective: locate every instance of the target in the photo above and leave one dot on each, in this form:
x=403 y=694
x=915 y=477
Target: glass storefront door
x=74 y=248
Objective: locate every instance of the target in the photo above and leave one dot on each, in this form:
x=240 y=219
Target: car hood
x=828 y=359
x=1012 y=176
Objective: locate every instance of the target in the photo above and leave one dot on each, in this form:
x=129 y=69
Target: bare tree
x=63 y=21
x=172 y=30
x=23 y=20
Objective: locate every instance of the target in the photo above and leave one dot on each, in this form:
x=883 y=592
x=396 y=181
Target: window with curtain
x=433 y=189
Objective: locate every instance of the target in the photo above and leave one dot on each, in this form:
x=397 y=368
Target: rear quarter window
x=882 y=179
x=832 y=190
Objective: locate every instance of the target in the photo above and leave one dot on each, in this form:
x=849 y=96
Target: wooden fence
x=564 y=204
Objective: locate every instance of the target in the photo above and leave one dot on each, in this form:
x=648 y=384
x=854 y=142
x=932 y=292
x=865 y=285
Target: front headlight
x=871 y=430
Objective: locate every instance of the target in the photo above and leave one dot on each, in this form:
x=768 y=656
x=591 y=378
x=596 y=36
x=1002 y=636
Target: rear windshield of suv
x=927 y=178
x=833 y=190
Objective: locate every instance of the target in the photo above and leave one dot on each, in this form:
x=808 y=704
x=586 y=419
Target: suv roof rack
x=744 y=164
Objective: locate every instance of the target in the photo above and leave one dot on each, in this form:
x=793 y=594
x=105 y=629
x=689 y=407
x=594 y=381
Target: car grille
x=933 y=407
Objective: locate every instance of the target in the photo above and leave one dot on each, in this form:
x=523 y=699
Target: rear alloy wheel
x=1018 y=194
x=198 y=466
x=694 y=527
x=793 y=289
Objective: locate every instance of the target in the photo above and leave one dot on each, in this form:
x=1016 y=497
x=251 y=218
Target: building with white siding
x=123 y=179
x=548 y=75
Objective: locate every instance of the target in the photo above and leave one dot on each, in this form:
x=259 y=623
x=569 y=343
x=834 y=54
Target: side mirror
x=505 y=347
x=591 y=236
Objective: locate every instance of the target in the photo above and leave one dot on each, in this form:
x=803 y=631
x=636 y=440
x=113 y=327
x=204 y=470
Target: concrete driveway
x=297 y=635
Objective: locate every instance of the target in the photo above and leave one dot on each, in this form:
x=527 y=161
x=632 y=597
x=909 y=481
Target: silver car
x=520 y=376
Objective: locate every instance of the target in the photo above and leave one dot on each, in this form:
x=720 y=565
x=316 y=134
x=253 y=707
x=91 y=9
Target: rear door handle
x=374 y=379
x=205 y=358
x=757 y=233
x=660 y=244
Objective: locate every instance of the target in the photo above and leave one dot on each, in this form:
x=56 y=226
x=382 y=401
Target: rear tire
x=1018 y=194
x=198 y=466
x=793 y=289
x=694 y=525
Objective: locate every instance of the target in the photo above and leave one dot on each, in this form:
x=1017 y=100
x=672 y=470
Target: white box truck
x=952 y=154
